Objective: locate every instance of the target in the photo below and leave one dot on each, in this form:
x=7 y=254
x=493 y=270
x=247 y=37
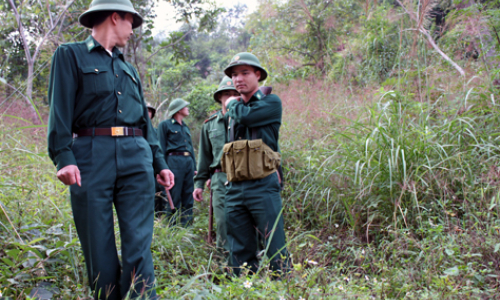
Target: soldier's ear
x=258 y=74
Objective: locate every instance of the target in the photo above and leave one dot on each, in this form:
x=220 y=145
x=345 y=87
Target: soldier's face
x=245 y=79
x=150 y=113
x=224 y=95
x=184 y=112
x=123 y=28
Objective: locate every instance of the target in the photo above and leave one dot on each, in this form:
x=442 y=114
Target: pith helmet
x=109 y=5
x=175 y=106
x=246 y=58
x=226 y=84
x=151 y=107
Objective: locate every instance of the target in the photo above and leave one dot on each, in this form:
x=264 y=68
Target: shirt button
x=239 y=138
x=116 y=75
x=119 y=93
x=97 y=70
x=120 y=111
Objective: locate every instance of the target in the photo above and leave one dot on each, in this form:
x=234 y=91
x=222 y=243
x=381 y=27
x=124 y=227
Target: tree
x=35 y=23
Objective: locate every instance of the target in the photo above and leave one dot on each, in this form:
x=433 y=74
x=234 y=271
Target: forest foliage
x=389 y=139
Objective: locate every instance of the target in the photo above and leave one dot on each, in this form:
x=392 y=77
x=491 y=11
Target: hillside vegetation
x=389 y=138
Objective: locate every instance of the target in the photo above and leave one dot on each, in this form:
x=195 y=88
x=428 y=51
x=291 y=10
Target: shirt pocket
x=97 y=80
x=174 y=137
x=131 y=86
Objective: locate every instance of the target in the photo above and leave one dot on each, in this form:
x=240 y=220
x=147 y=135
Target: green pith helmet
x=109 y=5
x=151 y=107
x=245 y=58
x=175 y=106
x=226 y=84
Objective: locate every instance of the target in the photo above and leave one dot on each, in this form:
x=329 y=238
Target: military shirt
x=175 y=137
x=260 y=112
x=212 y=140
x=90 y=89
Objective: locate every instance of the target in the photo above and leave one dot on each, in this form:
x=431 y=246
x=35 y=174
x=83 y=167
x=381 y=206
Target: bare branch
x=21 y=31
x=431 y=40
x=52 y=28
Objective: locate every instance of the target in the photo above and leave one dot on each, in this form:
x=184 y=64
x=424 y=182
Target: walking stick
x=169 y=197
x=210 y=219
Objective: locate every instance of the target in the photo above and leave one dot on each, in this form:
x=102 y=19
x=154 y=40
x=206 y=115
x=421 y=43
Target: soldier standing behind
x=253 y=203
x=102 y=142
x=159 y=198
x=175 y=140
x=212 y=139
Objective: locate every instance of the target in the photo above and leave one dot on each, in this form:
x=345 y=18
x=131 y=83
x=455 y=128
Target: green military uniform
x=89 y=89
x=159 y=189
x=255 y=204
x=212 y=140
x=175 y=140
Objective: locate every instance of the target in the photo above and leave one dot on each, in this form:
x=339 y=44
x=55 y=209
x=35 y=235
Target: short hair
x=99 y=17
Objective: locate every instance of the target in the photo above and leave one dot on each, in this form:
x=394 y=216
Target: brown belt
x=112 y=131
x=180 y=153
x=217 y=171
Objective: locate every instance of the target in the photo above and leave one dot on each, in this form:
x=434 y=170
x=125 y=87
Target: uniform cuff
x=65 y=159
x=199 y=184
x=160 y=164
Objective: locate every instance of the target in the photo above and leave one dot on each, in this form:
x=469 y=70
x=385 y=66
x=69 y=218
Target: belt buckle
x=186 y=154
x=117 y=131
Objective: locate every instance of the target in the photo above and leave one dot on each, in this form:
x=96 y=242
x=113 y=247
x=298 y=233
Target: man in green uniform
x=175 y=140
x=212 y=139
x=102 y=142
x=159 y=189
x=254 y=204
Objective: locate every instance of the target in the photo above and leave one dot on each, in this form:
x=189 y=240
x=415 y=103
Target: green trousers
x=252 y=208
x=218 y=190
x=119 y=172
x=182 y=192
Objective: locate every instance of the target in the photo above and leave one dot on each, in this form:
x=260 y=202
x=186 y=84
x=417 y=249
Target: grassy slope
x=386 y=198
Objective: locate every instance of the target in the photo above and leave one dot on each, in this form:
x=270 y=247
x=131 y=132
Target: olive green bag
x=248 y=159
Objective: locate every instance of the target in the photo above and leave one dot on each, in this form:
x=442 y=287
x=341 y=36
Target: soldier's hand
x=209 y=182
x=70 y=175
x=231 y=99
x=198 y=194
x=166 y=178
x=195 y=172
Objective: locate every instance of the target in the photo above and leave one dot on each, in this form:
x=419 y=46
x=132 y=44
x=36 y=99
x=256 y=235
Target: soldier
x=212 y=139
x=254 y=203
x=159 y=189
x=175 y=140
x=101 y=140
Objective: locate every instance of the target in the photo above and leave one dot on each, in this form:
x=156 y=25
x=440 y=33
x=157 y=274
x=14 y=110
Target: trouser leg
x=218 y=201
x=134 y=207
x=240 y=229
x=265 y=206
x=187 y=193
x=92 y=205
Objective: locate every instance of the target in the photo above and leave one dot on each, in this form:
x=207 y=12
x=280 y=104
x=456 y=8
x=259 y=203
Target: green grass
x=397 y=201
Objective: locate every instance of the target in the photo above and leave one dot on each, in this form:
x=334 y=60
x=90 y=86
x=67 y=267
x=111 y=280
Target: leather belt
x=180 y=153
x=112 y=131
x=217 y=171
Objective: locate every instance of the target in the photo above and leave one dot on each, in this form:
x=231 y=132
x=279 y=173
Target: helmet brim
x=218 y=92
x=176 y=110
x=86 y=18
x=263 y=72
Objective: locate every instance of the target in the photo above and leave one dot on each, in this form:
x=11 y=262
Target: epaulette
x=211 y=118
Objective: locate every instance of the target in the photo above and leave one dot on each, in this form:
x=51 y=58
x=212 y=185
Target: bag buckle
x=117 y=131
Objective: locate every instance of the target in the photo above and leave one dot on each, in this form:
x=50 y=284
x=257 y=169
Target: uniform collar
x=92 y=45
x=258 y=95
x=173 y=121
